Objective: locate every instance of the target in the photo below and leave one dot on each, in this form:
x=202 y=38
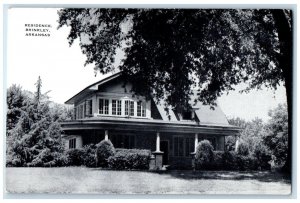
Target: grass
x=81 y=180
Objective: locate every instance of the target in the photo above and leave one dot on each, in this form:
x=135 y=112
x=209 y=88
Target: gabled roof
x=204 y=113
x=92 y=88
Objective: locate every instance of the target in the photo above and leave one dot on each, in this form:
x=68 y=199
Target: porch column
x=196 y=142
x=236 y=142
x=106 y=135
x=157 y=142
x=157 y=163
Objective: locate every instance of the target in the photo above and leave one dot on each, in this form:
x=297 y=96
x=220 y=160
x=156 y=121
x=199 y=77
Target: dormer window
x=88 y=107
x=187 y=115
x=103 y=106
x=116 y=107
x=141 y=109
x=129 y=108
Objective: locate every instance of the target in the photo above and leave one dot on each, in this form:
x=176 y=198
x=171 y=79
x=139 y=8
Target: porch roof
x=150 y=125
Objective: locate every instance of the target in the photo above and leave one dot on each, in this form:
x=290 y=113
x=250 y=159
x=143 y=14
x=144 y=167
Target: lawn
x=96 y=181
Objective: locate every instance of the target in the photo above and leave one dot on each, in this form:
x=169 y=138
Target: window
x=103 y=106
x=129 y=108
x=76 y=112
x=123 y=141
x=126 y=108
x=189 y=146
x=119 y=107
x=178 y=146
x=88 y=107
x=72 y=143
x=141 y=109
x=116 y=107
x=186 y=115
x=183 y=146
x=80 y=111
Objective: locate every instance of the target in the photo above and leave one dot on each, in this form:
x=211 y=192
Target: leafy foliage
x=230 y=143
x=33 y=131
x=75 y=157
x=168 y=51
x=243 y=149
x=204 y=155
x=252 y=131
x=276 y=137
x=104 y=150
x=89 y=155
x=130 y=159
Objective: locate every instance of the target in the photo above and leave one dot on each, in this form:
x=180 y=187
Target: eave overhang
x=149 y=126
x=91 y=88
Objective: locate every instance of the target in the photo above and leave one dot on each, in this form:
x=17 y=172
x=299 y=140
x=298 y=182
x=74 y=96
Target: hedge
x=130 y=159
x=230 y=160
x=75 y=157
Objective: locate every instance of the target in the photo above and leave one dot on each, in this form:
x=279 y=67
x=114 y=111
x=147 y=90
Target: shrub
x=229 y=160
x=246 y=163
x=89 y=155
x=217 y=163
x=130 y=159
x=230 y=143
x=104 y=150
x=243 y=149
x=262 y=156
x=204 y=155
x=75 y=157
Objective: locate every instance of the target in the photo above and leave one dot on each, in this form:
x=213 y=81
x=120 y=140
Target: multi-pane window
x=88 y=107
x=119 y=107
x=129 y=108
x=141 y=109
x=72 y=143
x=103 y=106
x=189 y=146
x=126 y=107
x=123 y=141
x=183 y=146
x=116 y=107
x=81 y=111
x=178 y=146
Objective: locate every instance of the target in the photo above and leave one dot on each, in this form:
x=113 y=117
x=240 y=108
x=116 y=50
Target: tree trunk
x=285 y=35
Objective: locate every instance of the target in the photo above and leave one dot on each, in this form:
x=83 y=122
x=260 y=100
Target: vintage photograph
x=189 y=101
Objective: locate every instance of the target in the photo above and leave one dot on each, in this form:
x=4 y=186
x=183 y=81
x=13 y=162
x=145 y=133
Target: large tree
x=169 y=52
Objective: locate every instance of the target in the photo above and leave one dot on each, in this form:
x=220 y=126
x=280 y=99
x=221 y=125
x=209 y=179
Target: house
x=107 y=110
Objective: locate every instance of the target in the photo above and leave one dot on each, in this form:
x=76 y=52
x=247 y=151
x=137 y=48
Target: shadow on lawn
x=264 y=176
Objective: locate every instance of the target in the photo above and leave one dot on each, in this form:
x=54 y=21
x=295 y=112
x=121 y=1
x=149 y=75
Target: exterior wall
x=113 y=91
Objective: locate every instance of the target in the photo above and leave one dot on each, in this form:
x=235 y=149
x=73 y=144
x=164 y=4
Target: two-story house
x=108 y=110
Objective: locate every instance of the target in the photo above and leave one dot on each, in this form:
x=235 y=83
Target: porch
x=172 y=144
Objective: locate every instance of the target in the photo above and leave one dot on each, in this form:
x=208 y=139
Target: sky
x=62 y=70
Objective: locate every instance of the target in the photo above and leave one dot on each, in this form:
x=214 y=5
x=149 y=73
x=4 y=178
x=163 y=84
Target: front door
x=164 y=147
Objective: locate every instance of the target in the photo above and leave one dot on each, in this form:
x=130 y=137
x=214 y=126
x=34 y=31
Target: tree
x=277 y=134
x=16 y=103
x=35 y=133
x=170 y=51
x=252 y=131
